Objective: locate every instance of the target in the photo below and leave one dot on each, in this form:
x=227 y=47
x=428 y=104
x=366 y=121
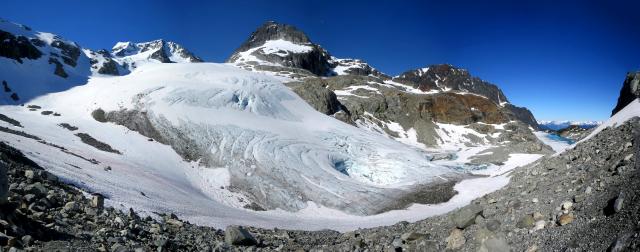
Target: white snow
x=630 y=111
x=283 y=47
x=409 y=137
x=557 y=145
x=278 y=47
x=33 y=78
x=453 y=136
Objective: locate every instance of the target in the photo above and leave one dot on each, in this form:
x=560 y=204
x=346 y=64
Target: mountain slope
x=417 y=105
x=35 y=63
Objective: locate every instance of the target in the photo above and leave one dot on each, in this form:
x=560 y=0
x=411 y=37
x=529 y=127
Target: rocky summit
x=285 y=50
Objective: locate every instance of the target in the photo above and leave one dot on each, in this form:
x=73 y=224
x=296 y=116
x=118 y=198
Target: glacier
x=277 y=150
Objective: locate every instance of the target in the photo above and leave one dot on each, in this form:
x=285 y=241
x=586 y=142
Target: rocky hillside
x=430 y=119
x=630 y=91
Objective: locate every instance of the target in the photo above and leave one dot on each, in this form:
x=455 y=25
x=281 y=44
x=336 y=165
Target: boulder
x=466 y=216
x=97 y=201
x=456 y=239
x=526 y=221
x=236 y=235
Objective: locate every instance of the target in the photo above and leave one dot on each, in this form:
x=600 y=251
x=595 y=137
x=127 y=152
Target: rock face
x=446 y=77
x=629 y=92
x=373 y=103
x=17 y=48
x=319 y=97
x=449 y=78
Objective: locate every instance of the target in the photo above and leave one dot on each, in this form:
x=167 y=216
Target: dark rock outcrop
x=521 y=114
x=446 y=77
x=70 y=52
x=629 y=92
x=59 y=70
x=17 y=47
x=318 y=96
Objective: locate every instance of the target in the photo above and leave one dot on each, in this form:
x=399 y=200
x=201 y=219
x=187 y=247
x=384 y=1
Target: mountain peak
x=272 y=30
x=159 y=49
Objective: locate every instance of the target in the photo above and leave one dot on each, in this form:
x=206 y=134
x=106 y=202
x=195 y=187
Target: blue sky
x=561 y=59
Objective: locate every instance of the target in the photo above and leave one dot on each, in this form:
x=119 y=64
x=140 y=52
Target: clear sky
x=561 y=59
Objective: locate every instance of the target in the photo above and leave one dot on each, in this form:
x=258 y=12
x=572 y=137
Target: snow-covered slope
x=277 y=151
x=631 y=110
x=35 y=63
x=125 y=57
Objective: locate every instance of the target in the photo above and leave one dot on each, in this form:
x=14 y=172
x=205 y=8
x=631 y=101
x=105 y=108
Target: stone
x=456 y=239
x=567 y=205
x=578 y=198
x=70 y=206
x=236 y=235
x=4 y=184
x=565 y=219
x=27 y=240
x=412 y=236
x=466 y=216
x=538 y=216
x=533 y=248
x=539 y=225
x=534 y=200
x=498 y=244
x=620 y=243
x=174 y=222
x=491 y=242
x=493 y=225
x=618 y=203
x=29 y=174
x=97 y=201
x=526 y=221
x=36 y=188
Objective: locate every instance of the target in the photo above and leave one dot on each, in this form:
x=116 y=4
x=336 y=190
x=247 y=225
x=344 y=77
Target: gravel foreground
x=585 y=199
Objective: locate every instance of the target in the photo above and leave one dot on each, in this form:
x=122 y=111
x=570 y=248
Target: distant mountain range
x=558 y=125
